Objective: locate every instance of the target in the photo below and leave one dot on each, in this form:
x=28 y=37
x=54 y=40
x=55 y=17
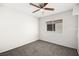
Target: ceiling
x=26 y=8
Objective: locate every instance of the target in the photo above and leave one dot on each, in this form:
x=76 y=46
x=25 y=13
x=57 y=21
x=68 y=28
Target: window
x=50 y=27
x=54 y=25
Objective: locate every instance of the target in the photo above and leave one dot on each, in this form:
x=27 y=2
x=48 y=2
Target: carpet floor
x=41 y=48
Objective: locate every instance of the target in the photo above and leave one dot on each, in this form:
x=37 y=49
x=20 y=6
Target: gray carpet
x=41 y=48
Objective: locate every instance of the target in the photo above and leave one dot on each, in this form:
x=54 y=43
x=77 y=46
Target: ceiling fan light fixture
x=41 y=10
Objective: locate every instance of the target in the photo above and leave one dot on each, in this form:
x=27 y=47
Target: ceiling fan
x=41 y=6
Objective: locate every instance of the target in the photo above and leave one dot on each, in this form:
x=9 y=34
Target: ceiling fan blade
x=51 y=9
x=45 y=4
x=35 y=10
x=34 y=5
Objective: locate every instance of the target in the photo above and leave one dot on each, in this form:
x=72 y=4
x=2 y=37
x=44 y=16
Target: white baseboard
x=59 y=44
x=29 y=41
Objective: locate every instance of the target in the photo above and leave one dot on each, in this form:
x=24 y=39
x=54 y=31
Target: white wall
x=76 y=9
x=68 y=37
x=16 y=29
x=76 y=13
x=78 y=35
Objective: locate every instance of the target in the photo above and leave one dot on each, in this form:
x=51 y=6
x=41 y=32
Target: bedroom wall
x=76 y=13
x=16 y=29
x=78 y=35
x=68 y=36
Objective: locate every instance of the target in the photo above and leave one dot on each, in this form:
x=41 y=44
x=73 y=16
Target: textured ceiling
x=26 y=8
